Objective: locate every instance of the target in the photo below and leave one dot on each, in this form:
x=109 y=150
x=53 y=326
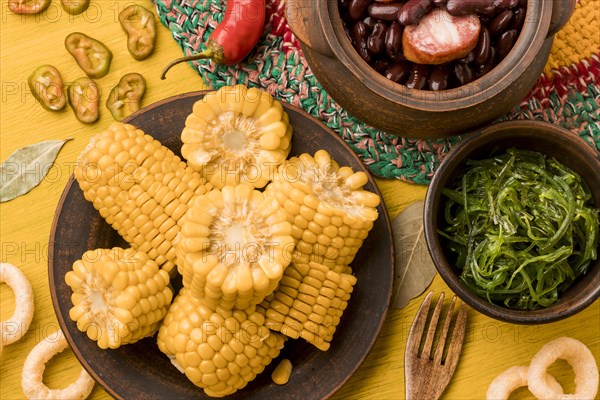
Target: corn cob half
x=140 y=187
x=309 y=303
x=119 y=296
x=233 y=247
x=237 y=135
x=330 y=211
x=219 y=351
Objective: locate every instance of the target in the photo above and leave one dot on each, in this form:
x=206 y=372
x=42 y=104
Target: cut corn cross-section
x=140 y=187
x=237 y=135
x=309 y=303
x=218 y=350
x=330 y=211
x=233 y=247
x=119 y=296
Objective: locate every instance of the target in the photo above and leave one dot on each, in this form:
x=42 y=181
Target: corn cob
x=330 y=212
x=233 y=247
x=119 y=296
x=140 y=187
x=237 y=135
x=309 y=303
x=219 y=351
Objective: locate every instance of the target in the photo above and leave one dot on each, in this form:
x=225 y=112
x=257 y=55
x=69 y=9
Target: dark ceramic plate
x=140 y=370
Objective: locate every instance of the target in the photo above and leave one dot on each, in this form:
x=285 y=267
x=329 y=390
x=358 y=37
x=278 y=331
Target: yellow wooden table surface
x=27 y=42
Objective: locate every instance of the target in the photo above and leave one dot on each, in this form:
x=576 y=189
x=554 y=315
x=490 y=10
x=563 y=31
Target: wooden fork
x=426 y=377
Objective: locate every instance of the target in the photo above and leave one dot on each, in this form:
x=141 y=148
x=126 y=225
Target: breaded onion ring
x=513 y=378
x=33 y=373
x=14 y=328
x=578 y=356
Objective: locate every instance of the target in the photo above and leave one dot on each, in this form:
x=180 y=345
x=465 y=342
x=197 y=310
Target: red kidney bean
x=487 y=65
x=463 y=73
x=393 y=41
x=438 y=79
x=360 y=33
x=519 y=19
x=482 y=50
x=370 y=21
x=469 y=58
x=505 y=43
x=500 y=22
x=385 y=11
x=364 y=53
x=376 y=40
x=418 y=76
x=398 y=72
x=381 y=66
x=357 y=8
x=465 y=7
x=345 y=3
x=413 y=11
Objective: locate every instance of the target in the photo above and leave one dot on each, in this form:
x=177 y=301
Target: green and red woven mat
x=567 y=94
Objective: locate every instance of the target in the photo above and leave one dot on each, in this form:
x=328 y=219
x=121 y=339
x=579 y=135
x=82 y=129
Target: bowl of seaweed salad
x=512 y=222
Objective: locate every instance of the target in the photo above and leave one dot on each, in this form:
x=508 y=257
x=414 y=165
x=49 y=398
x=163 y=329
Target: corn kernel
x=239 y=243
x=318 y=303
x=229 y=354
x=238 y=141
x=323 y=199
x=131 y=185
x=110 y=301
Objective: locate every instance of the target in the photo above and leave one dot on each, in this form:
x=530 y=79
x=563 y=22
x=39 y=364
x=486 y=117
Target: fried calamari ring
x=33 y=372
x=513 y=378
x=578 y=356
x=14 y=328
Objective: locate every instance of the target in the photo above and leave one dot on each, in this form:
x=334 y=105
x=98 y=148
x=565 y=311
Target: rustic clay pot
x=394 y=108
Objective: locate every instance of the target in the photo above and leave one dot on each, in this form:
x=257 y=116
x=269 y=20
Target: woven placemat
x=567 y=94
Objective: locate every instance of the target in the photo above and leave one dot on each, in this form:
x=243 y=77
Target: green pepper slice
x=126 y=97
x=93 y=56
x=28 y=6
x=75 y=7
x=84 y=99
x=140 y=26
x=46 y=85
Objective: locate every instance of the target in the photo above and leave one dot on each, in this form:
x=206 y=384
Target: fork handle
x=420 y=383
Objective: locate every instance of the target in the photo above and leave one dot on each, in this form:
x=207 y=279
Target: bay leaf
x=414 y=270
x=26 y=168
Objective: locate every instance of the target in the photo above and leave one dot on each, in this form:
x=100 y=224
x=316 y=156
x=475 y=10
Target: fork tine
x=417 y=327
x=439 y=350
x=427 y=346
x=458 y=336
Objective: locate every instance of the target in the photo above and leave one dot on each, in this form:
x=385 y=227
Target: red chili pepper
x=235 y=36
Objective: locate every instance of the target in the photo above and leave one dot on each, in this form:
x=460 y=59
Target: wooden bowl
x=394 y=108
x=140 y=370
x=554 y=142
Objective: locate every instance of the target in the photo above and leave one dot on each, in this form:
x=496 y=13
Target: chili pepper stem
x=206 y=54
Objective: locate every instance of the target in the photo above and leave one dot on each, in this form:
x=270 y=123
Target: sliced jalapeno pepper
x=92 y=55
x=126 y=97
x=140 y=26
x=28 y=6
x=84 y=99
x=46 y=85
x=75 y=7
